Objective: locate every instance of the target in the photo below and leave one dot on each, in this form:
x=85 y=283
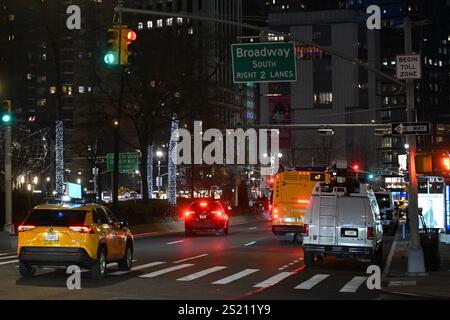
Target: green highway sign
x=128 y=162
x=264 y=62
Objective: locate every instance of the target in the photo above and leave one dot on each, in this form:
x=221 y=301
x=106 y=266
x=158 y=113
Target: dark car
x=206 y=215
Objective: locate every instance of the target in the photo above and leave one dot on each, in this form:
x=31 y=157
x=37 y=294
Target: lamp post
x=159 y=155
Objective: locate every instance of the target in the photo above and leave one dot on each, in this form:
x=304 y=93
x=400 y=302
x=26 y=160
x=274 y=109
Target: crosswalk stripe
x=353 y=284
x=8 y=257
x=311 y=282
x=235 y=276
x=273 y=280
x=147 y=265
x=8 y=253
x=201 y=273
x=8 y=262
x=166 y=270
x=191 y=258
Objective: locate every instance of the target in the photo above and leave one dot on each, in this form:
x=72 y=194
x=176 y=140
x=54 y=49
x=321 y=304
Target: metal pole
x=415 y=253
x=159 y=179
x=9 y=227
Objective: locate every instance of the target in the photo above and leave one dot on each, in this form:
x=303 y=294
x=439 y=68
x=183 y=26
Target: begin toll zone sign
x=409 y=67
x=264 y=62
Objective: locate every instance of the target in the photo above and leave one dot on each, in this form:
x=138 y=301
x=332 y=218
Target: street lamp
x=159 y=154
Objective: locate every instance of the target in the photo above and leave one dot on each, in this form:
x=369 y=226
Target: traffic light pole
x=415 y=253
x=8 y=227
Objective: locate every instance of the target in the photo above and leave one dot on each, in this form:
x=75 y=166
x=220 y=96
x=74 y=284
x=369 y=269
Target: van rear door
x=327 y=217
x=352 y=221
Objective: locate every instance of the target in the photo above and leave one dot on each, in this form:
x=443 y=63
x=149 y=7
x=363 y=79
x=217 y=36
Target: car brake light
x=275 y=216
x=370 y=233
x=188 y=214
x=82 y=229
x=270 y=207
x=306 y=229
x=218 y=213
x=25 y=228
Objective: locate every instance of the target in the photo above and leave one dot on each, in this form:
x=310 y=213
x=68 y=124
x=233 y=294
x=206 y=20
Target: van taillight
x=25 y=228
x=370 y=233
x=306 y=229
x=82 y=229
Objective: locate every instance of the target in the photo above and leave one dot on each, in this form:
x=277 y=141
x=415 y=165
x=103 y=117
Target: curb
x=408 y=294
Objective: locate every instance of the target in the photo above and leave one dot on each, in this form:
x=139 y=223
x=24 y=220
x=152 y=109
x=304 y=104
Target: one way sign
x=400 y=128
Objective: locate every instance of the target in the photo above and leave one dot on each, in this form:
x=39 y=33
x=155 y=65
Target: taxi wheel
x=126 y=262
x=26 y=270
x=99 y=269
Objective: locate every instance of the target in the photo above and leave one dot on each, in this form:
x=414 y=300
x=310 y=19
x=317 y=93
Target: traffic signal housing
x=6 y=112
x=434 y=163
x=113 y=46
x=128 y=37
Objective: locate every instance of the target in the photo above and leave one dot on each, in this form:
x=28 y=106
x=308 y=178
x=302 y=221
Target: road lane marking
x=201 y=273
x=144 y=235
x=311 y=282
x=8 y=257
x=273 y=280
x=252 y=228
x=147 y=265
x=173 y=242
x=249 y=244
x=353 y=285
x=8 y=253
x=236 y=276
x=166 y=270
x=191 y=258
x=8 y=262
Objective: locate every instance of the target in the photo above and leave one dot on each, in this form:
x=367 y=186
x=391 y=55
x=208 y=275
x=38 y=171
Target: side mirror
x=123 y=224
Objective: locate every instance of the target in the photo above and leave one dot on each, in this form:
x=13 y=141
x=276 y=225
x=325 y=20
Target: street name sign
x=128 y=162
x=409 y=67
x=264 y=62
x=400 y=128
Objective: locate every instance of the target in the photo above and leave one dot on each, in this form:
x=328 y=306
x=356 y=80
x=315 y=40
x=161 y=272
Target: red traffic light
x=355 y=167
x=131 y=36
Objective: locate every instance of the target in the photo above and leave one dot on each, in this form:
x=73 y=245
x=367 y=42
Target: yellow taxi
x=87 y=235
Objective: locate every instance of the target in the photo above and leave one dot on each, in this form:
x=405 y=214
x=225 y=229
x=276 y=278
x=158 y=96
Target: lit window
x=325 y=97
x=44 y=56
x=52 y=90
x=81 y=89
x=191 y=30
x=29 y=76
x=69 y=90
x=180 y=21
x=149 y=24
x=140 y=26
x=11 y=17
x=169 y=21
x=32 y=119
x=159 y=23
x=89 y=89
x=41 y=102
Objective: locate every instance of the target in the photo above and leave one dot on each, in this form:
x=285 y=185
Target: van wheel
x=127 y=260
x=309 y=259
x=26 y=271
x=98 y=270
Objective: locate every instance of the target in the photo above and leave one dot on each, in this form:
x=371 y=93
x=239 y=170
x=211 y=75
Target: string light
x=172 y=165
x=59 y=148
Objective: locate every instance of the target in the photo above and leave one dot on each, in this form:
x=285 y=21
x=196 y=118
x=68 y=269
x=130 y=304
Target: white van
x=343 y=221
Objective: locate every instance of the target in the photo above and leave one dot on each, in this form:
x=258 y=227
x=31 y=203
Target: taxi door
x=120 y=234
x=108 y=232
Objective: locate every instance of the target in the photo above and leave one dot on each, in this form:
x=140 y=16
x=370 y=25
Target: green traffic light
x=6 y=118
x=110 y=58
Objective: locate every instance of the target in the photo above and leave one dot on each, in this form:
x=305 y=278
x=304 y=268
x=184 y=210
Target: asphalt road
x=249 y=263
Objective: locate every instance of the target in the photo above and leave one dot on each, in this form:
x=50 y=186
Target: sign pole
x=415 y=253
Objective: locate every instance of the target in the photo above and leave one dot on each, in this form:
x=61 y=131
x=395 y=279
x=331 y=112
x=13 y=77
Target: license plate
x=51 y=237
x=351 y=233
x=202 y=216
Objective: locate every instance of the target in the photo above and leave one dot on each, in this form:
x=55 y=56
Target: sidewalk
x=431 y=285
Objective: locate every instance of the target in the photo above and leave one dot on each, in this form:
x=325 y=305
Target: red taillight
x=370 y=233
x=25 y=228
x=306 y=229
x=275 y=216
x=82 y=229
x=270 y=207
x=218 y=213
x=188 y=214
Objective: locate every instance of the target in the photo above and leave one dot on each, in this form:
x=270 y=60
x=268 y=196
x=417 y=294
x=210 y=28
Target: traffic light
x=435 y=163
x=128 y=37
x=371 y=176
x=113 y=46
x=6 y=112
